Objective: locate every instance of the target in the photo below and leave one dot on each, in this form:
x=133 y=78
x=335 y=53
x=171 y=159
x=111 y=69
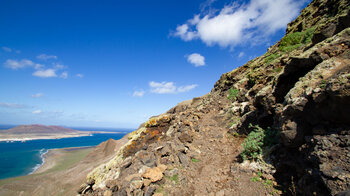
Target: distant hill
x=36 y=128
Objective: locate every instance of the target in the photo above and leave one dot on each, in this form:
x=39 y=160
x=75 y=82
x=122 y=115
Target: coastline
x=51 y=157
x=43 y=153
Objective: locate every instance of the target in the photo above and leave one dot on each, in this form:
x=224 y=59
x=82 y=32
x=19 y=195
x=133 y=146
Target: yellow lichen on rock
x=155 y=121
x=100 y=173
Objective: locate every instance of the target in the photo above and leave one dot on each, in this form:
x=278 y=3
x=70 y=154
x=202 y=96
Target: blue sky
x=117 y=63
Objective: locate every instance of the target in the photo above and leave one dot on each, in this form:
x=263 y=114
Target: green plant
x=258 y=140
x=323 y=84
x=175 y=178
x=277 y=69
x=252 y=145
x=194 y=160
x=270 y=58
x=233 y=94
x=295 y=40
x=255 y=179
x=251 y=80
x=235 y=134
x=235 y=120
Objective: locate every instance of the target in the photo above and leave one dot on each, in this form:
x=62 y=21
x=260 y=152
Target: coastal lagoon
x=22 y=158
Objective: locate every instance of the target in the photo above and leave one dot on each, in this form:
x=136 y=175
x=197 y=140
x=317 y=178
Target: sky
x=115 y=64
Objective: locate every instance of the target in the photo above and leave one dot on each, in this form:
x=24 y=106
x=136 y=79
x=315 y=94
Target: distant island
x=36 y=132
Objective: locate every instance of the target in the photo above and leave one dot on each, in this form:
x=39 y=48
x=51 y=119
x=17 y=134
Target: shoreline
x=50 y=157
x=42 y=156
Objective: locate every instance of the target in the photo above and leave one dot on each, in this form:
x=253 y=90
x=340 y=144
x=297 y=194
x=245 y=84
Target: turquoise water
x=22 y=158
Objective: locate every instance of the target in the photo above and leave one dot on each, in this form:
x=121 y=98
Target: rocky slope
x=296 y=96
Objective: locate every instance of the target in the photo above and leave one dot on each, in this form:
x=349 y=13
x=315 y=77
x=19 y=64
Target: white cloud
x=64 y=75
x=196 y=59
x=169 y=88
x=80 y=75
x=45 y=57
x=48 y=73
x=236 y=24
x=36 y=112
x=15 y=64
x=241 y=54
x=6 y=49
x=182 y=89
x=18 y=51
x=37 y=95
x=138 y=93
x=59 y=66
x=12 y=105
x=38 y=66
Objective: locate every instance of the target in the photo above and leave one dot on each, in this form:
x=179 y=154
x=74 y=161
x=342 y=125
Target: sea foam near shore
x=42 y=152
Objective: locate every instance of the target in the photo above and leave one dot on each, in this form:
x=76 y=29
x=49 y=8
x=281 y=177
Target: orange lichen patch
x=154 y=133
x=132 y=145
x=157 y=121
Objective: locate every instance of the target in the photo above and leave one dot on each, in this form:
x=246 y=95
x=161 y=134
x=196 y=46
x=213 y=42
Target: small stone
x=90 y=182
x=149 y=190
x=126 y=163
x=107 y=193
x=147 y=182
x=220 y=193
x=121 y=192
x=183 y=159
x=162 y=167
x=136 y=184
x=171 y=172
x=154 y=174
x=138 y=192
x=111 y=183
x=83 y=188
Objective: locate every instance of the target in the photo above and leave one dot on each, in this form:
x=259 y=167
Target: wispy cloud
x=6 y=49
x=241 y=54
x=36 y=112
x=139 y=93
x=80 y=75
x=45 y=57
x=16 y=64
x=47 y=73
x=59 y=66
x=64 y=75
x=169 y=88
x=196 y=59
x=236 y=24
x=12 y=105
x=182 y=89
x=37 y=95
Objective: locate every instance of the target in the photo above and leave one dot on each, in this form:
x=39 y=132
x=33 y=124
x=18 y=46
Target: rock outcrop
x=299 y=88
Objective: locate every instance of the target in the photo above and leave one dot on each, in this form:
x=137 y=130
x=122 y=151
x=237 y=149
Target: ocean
x=22 y=158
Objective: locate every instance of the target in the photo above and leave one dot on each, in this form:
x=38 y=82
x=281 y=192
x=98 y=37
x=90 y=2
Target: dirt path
x=211 y=174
